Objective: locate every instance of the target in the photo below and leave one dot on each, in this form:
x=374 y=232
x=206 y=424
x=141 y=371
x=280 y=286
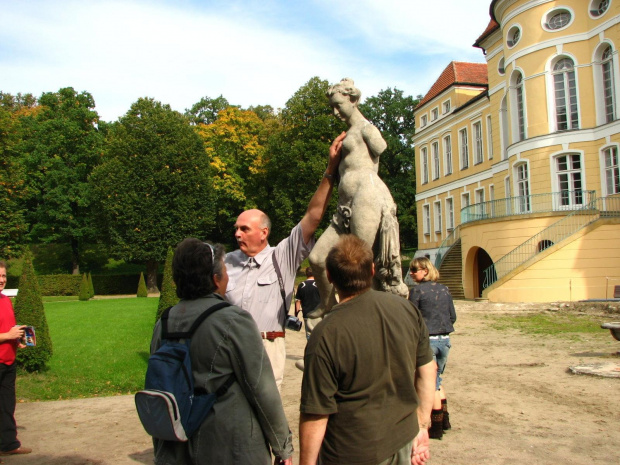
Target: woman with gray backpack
x=247 y=422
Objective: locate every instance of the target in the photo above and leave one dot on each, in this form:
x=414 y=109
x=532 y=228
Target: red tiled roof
x=458 y=73
x=492 y=27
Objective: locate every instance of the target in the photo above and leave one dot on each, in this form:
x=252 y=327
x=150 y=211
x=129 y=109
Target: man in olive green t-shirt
x=369 y=375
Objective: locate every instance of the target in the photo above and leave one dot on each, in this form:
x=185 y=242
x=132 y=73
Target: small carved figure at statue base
x=365 y=206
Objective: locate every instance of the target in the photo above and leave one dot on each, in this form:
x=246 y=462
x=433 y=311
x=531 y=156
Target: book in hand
x=30 y=338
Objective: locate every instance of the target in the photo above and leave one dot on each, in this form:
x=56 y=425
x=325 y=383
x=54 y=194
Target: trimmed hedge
x=68 y=284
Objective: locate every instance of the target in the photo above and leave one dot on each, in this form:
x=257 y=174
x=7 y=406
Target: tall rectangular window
x=424 y=156
x=423 y=120
x=523 y=185
x=434 y=114
x=446 y=106
x=435 y=152
x=480 y=207
x=464 y=149
x=479 y=157
x=447 y=148
x=437 y=212
x=426 y=214
x=449 y=214
x=492 y=199
x=568 y=169
x=508 y=191
x=489 y=138
x=612 y=174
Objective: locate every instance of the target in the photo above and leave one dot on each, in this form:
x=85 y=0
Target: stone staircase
x=451 y=271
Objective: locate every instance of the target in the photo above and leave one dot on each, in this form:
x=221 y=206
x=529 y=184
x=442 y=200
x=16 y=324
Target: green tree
x=84 y=288
x=236 y=145
x=29 y=311
x=168 y=296
x=392 y=113
x=154 y=186
x=206 y=110
x=60 y=147
x=12 y=174
x=298 y=157
x=142 y=291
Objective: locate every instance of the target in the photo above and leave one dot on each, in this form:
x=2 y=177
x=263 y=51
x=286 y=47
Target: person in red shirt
x=10 y=337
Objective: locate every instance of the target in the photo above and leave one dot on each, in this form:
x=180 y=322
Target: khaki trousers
x=276 y=351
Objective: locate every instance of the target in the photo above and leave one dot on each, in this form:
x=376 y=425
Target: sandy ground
x=511 y=397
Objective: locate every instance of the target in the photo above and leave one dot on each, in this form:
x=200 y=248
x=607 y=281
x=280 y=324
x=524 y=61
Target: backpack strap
x=197 y=322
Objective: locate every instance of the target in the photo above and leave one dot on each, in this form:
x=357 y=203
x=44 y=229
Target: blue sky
x=251 y=52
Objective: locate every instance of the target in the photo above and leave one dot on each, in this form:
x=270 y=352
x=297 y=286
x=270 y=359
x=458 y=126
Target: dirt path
x=510 y=396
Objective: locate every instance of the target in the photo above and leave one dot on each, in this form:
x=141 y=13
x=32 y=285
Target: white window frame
x=435 y=114
x=594 y=6
x=522 y=184
x=479 y=201
x=610 y=171
x=544 y=20
x=478 y=145
x=449 y=213
x=437 y=215
x=552 y=97
x=515 y=29
x=447 y=147
x=426 y=219
x=492 y=199
x=424 y=164
x=446 y=106
x=423 y=121
x=489 y=138
x=435 y=156
x=572 y=199
x=463 y=148
x=606 y=90
x=465 y=202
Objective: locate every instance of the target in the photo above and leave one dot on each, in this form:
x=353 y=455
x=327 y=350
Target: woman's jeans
x=441 y=348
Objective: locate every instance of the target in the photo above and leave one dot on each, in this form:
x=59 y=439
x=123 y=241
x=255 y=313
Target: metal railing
x=558 y=231
x=537 y=203
x=446 y=245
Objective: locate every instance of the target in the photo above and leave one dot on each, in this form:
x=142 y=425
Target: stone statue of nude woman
x=365 y=205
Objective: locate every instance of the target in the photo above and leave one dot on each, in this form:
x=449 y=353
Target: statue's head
x=345 y=87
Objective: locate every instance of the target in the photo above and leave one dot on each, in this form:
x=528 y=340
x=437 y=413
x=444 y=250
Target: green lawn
x=101 y=348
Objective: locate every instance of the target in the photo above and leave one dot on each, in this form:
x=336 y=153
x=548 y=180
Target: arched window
x=565 y=89
x=520 y=106
x=608 y=85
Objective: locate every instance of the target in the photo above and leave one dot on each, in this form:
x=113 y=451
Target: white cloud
x=250 y=52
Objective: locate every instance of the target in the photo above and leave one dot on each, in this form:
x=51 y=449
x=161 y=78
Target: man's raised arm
x=320 y=199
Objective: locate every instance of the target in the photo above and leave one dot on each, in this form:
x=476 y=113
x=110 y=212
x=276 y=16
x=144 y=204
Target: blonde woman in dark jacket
x=435 y=303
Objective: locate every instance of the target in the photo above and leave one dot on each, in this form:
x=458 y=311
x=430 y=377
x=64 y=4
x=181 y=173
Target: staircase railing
x=446 y=245
x=537 y=203
x=558 y=231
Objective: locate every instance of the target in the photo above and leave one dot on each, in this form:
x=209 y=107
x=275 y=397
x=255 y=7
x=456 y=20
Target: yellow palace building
x=517 y=171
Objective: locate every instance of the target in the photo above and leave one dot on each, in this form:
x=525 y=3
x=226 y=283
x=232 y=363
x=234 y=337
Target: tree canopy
x=154 y=187
x=61 y=145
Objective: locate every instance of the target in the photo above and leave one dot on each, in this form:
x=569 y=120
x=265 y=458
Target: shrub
x=29 y=311
x=91 y=289
x=168 y=296
x=84 y=288
x=142 y=291
x=60 y=284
